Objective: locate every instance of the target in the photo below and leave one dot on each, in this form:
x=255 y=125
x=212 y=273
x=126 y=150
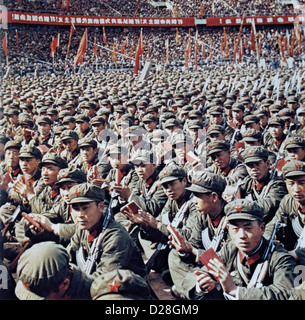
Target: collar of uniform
x=151 y=179
x=91 y=235
x=54 y=193
x=14 y=173
x=215 y=222
x=254 y=256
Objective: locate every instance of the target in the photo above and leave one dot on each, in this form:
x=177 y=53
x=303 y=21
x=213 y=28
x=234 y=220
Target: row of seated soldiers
x=185 y=176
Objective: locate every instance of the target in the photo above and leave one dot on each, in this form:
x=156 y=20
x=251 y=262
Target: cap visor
x=199 y=189
x=23 y=293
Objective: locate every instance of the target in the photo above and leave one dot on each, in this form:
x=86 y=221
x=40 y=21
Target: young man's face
x=174 y=189
x=221 y=159
x=296 y=153
x=238 y=115
x=70 y=144
x=246 y=234
x=64 y=190
x=203 y=203
x=258 y=170
x=44 y=129
x=296 y=188
x=276 y=131
x=216 y=119
x=11 y=158
x=87 y=214
x=29 y=165
x=144 y=171
x=88 y=153
x=49 y=174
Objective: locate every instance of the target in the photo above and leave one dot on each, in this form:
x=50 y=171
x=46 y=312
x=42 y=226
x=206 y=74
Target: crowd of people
x=193 y=172
x=29 y=48
x=140 y=8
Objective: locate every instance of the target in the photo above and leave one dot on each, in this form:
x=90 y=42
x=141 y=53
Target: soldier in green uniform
x=44 y=273
x=291 y=211
x=201 y=229
x=239 y=259
x=259 y=186
x=69 y=140
x=223 y=164
x=100 y=244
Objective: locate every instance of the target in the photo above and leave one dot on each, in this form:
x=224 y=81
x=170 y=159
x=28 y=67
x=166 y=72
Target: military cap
x=195 y=124
x=293 y=168
x=276 y=121
x=142 y=156
x=82 y=118
x=28 y=151
x=158 y=135
x=286 y=113
x=195 y=114
x=87 y=142
x=217 y=146
x=238 y=107
x=120 y=284
x=26 y=122
x=12 y=112
x=255 y=153
x=71 y=175
x=68 y=119
x=251 y=119
x=261 y=113
x=301 y=110
x=52 y=112
x=64 y=113
x=4 y=139
x=98 y=120
x=252 y=135
x=136 y=131
x=215 y=128
x=292 y=100
x=150 y=118
x=171 y=172
x=119 y=109
x=12 y=144
x=117 y=149
x=53 y=158
x=216 y=110
x=294 y=142
x=86 y=192
x=127 y=122
x=43 y=119
x=242 y=209
x=69 y=134
x=180 y=138
x=172 y=122
x=58 y=130
x=40 y=269
x=207 y=182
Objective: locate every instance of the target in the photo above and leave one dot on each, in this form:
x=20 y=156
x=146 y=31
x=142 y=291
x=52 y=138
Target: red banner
x=258 y=20
x=54 y=19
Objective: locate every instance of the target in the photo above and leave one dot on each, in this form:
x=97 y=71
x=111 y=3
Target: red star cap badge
x=297 y=165
x=77 y=193
x=114 y=286
x=238 y=209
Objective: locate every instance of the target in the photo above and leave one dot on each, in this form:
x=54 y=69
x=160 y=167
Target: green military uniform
x=279 y=278
x=116 y=250
x=43 y=267
x=199 y=230
x=290 y=212
x=234 y=170
x=267 y=193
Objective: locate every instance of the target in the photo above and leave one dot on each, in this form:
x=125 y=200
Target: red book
x=207 y=256
x=175 y=234
x=118 y=177
x=133 y=206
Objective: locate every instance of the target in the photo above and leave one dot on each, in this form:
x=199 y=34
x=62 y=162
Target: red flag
x=81 y=49
x=54 y=45
x=196 y=51
x=177 y=36
x=72 y=29
x=280 y=45
x=104 y=36
x=95 y=47
x=225 y=42
x=4 y=45
x=236 y=44
x=17 y=42
x=186 y=53
x=292 y=43
x=114 y=52
x=167 y=50
x=139 y=52
x=298 y=35
x=252 y=38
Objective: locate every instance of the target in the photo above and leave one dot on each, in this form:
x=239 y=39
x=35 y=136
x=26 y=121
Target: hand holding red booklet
x=207 y=256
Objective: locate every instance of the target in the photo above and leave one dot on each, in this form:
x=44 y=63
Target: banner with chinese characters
x=258 y=20
x=54 y=19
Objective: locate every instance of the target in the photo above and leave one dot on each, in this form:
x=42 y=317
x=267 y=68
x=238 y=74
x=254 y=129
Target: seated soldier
x=58 y=223
x=203 y=229
x=97 y=232
x=223 y=164
x=261 y=185
x=276 y=127
x=44 y=273
x=44 y=136
x=239 y=259
x=291 y=211
x=147 y=193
